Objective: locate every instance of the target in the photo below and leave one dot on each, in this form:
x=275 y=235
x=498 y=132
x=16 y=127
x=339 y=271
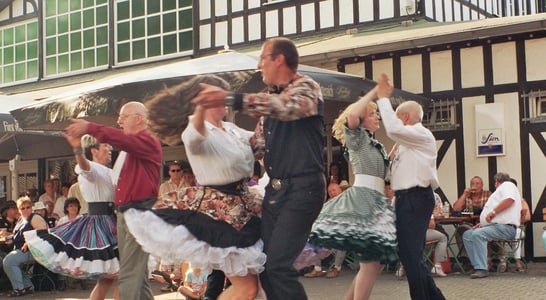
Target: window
x=536 y=106
x=441 y=115
x=27 y=182
x=76 y=35
x=19 y=53
x=151 y=28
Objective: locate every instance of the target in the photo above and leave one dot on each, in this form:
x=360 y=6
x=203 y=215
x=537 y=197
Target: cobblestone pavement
x=498 y=286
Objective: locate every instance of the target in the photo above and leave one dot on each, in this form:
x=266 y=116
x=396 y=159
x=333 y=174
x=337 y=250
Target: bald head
x=410 y=112
x=133 y=117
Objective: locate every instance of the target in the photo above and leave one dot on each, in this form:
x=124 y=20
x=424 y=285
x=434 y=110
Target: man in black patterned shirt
x=291 y=132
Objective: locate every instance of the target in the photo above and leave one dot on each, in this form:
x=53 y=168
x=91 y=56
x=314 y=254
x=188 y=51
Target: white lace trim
x=175 y=243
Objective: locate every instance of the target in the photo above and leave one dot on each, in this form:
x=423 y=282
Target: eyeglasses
x=25 y=207
x=264 y=56
x=175 y=170
x=125 y=116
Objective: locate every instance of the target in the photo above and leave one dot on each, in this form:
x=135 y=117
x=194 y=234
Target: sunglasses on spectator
x=176 y=170
x=25 y=207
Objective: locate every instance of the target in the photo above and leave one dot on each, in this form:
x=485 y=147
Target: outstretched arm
x=353 y=119
x=79 y=153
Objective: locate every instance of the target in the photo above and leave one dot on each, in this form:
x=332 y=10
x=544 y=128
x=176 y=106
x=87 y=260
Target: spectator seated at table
x=472 y=200
x=525 y=217
x=8 y=217
x=498 y=221
x=20 y=281
x=440 y=253
x=41 y=209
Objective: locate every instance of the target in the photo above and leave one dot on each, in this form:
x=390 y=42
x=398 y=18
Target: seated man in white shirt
x=498 y=221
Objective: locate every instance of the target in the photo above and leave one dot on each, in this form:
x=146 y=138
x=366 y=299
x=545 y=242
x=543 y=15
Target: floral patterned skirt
x=203 y=226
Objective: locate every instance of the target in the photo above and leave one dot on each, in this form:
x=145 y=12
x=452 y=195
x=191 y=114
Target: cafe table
x=455 y=221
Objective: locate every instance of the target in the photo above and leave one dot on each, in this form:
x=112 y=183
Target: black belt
x=238 y=188
x=512 y=225
x=278 y=183
x=101 y=208
x=142 y=204
x=412 y=190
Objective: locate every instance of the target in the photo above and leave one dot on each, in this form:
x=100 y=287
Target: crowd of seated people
x=12 y=262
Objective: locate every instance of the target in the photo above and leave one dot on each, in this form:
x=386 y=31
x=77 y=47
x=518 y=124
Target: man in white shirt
x=499 y=220
x=51 y=195
x=413 y=179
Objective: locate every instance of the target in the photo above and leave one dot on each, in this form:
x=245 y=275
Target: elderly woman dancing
x=85 y=247
x=215 y=225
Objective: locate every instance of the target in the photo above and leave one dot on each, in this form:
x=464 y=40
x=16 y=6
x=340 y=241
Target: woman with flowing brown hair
x=215 y=225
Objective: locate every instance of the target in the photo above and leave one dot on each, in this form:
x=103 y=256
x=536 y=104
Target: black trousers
x=287 y=217
x=216 y=282
x=413 y=210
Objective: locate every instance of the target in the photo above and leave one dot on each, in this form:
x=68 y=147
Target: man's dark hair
x=71 y=200
x=287 y=48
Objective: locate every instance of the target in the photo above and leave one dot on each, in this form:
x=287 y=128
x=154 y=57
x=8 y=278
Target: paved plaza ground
x=510 y=285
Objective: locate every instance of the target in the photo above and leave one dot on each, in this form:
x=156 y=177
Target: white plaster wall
x=386 y=9
x=308 y=23
x=446 y=172
x=254 y=31
x=346 y=12
x=355 y=69
x=504 y=63
x=382 y=66
x=204 y=11
x=289 y=20
x=17 y=10
x=441 y=71
x=365 y=10
x=221 y=34
x=472 y=67
x=535 y=61
x=238 y=30
x=204 y=36
x=220 y=9
x=326 y=9
x=511 y=162
x=474 y=166
x=412 y=73
x=272 y=21
x=538 y=175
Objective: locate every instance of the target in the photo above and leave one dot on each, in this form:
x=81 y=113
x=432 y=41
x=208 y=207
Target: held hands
x=384 y=87
x=210 y=96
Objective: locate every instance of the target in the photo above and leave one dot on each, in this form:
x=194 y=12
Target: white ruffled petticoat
x=175 y=243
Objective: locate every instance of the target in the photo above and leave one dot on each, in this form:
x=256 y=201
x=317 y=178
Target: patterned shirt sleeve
x=298 y=100
x=257 y=142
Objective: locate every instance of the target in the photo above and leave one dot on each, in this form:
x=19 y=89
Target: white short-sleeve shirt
x=221 y=156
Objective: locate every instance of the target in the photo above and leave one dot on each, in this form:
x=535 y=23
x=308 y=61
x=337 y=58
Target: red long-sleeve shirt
x=140 y=174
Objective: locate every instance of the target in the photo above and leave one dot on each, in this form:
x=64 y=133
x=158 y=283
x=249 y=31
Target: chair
x=429 y=252
x=428 y=257
x=511 y=246
x=40 y=276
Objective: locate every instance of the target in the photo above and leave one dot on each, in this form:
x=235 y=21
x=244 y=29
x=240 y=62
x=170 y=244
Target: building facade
x=464 y=54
